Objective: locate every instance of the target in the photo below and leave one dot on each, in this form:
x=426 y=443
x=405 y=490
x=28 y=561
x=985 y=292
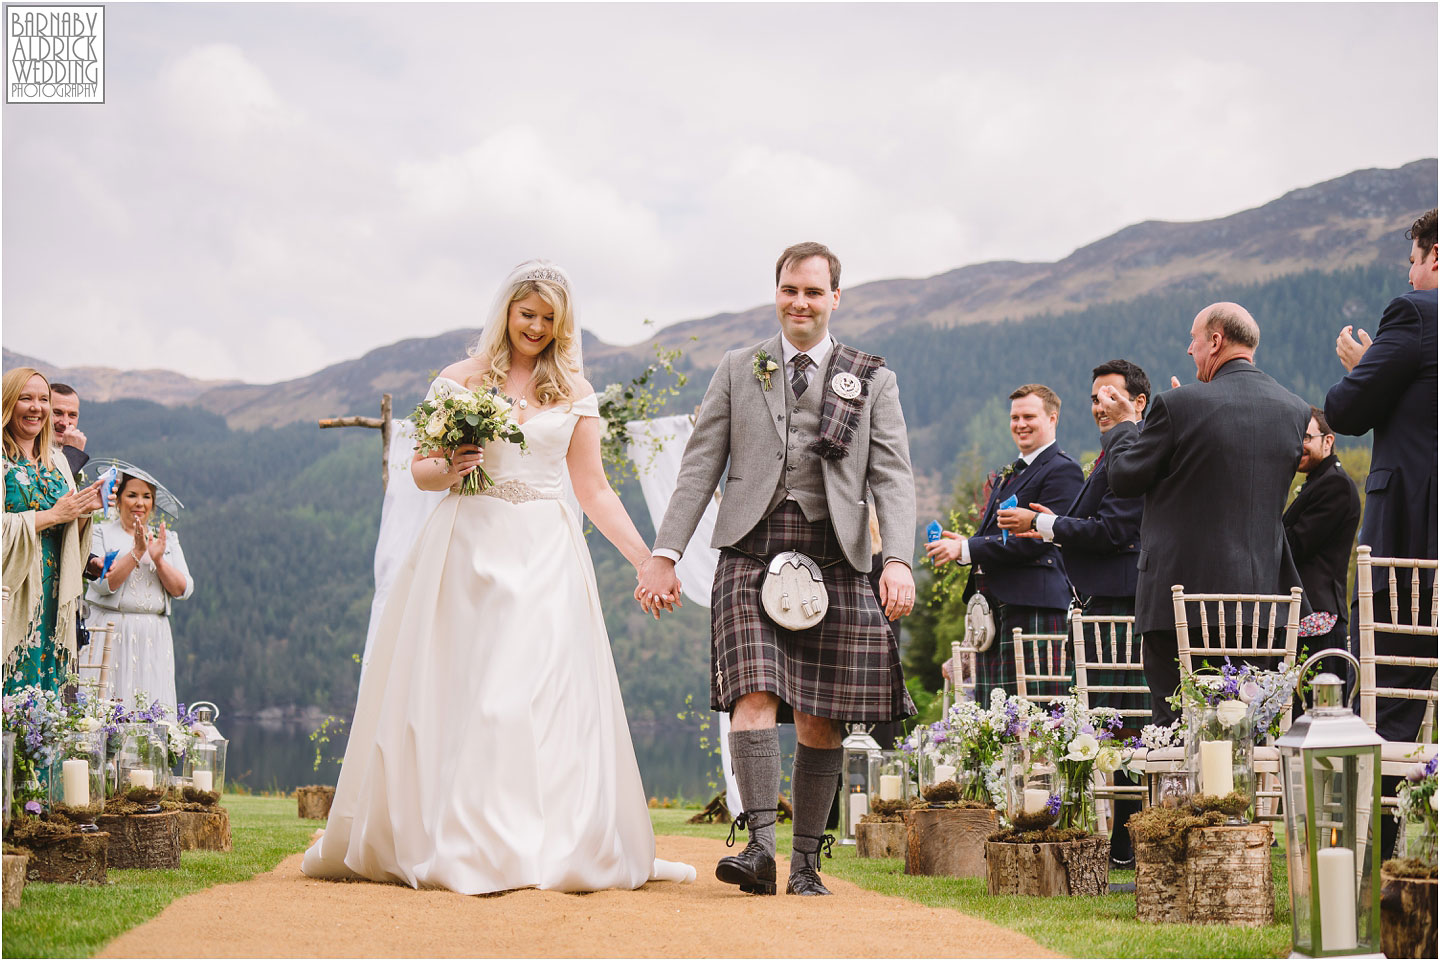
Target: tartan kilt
x=996 y=667
x=1113 y=607
x=846 y=668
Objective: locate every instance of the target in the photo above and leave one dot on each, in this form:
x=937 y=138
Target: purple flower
x=1087 y=728
x=33 y=807
x=1430 y=768
x=1052 y=806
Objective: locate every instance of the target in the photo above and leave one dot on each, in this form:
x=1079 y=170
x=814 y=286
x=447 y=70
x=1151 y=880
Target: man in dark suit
x=1023 y=579
x=1320 y=528
x=1099 y=539
x=65 y=412
x=1391 y=389
x=1214 y=462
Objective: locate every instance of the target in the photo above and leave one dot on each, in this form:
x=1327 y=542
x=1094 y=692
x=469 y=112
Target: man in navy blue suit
x=1099 y=538
x=1022 y=578
x=1391 y=389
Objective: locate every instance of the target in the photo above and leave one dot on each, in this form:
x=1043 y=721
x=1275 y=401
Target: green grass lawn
x=62 y=920
x=76 y=920
x=1081 y=927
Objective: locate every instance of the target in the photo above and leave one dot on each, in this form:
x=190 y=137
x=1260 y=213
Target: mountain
x=1351 y=221
x=107 y=383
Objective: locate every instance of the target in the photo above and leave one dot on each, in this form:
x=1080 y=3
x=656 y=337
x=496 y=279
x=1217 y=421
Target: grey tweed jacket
x=742 y=426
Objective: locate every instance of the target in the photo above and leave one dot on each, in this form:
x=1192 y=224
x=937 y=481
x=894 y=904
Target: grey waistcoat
x=803 y=477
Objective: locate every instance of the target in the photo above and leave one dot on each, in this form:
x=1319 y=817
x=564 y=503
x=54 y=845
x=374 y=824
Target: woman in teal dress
x=46 y=522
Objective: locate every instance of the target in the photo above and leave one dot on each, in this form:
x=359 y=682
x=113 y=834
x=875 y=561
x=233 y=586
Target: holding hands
x=657 y=587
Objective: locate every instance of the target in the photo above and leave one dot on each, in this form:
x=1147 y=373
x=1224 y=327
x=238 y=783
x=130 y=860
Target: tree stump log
x=14 y=878
x=1049 y=870
x=1407 y=916
x=204 y=830
x=76 y=859
x=314 y=801
x=143 y=840
x=880 y=839
x=948 y=841
x=1223 y=877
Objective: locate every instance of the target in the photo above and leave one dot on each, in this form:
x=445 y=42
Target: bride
x=489 y=749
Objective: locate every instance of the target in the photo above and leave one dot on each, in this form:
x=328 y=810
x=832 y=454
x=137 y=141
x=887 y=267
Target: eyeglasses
x=1316 y=436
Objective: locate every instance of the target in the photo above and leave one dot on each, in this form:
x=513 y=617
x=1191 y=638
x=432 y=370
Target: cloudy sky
x=270 y=189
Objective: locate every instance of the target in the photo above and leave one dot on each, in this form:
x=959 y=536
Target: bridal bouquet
x=454 y=417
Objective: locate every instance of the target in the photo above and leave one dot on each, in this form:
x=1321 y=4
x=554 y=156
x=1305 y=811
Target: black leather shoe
x=806 y=881
x=753 y=869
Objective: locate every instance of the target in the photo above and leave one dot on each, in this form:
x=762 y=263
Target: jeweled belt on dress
x=518 y=492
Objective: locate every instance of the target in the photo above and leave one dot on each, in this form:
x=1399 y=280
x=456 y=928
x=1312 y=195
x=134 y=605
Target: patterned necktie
x=800 y=379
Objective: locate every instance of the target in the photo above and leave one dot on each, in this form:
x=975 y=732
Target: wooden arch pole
x=382 y=423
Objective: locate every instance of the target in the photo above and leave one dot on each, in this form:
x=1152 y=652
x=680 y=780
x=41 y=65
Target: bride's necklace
x=522 y=402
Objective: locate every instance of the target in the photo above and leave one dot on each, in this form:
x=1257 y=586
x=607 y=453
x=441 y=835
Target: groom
x=809 y=428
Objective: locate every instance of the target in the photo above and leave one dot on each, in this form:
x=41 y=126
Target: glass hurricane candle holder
x=889 y=779
x=938 y=780
x=77 y=779
x=1220 y=753
x=1171 y=789
x=205 y=765
x=143 y=764
x=1031 y=788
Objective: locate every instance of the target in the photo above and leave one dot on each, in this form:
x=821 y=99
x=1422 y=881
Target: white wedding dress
x=489 y=749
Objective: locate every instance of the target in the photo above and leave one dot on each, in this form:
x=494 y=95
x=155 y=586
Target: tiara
x=553 y=274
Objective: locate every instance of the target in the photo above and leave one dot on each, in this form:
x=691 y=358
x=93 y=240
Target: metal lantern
x=77 y=779
x=1330 y=763
x=855 y=786
x=205 y=761
x=144 y=761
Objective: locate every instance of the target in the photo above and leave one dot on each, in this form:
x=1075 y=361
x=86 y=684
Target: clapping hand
x=1350 y=350
x=1117 y=406
x=156 y=550
x=76 y=503
x=657 y=586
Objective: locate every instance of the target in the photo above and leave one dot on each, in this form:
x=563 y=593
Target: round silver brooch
x=846 y=385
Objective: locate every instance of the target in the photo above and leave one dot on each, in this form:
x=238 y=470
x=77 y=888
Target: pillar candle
x=1217 y=776
x=142 y=778
x=1036 y=800
x=76 y=775
x=202 y=780
x=944 y=772
x=889 y=787
x=859 y=807
x=1335 y=876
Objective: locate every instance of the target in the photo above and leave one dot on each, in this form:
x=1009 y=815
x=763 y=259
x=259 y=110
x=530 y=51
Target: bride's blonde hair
x=558 y=366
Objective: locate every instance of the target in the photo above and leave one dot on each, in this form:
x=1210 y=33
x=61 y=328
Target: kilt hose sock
x=812 y=789
x=755 y=757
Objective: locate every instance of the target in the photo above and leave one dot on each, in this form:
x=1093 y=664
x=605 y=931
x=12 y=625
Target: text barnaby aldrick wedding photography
x=55 y=54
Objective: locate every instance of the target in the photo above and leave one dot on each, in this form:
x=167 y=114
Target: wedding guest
x=1022 y=579
x=1214 y=461
x=65 y=411
x=1320 y=528
x=144 y=573
x=45 y=522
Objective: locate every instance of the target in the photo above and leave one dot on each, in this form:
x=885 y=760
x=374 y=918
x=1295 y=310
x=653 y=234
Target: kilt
x=1113 y=607
x=996 y=667
x=846 y=668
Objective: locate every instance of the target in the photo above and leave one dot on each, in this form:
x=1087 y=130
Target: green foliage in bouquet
x=455 y=417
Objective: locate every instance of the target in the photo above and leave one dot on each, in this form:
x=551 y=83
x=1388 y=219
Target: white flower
x=1107 y=760
x=436 y=425
x=90 y=724
x=1249 y=691
x=1083 y=748
x=1231 y=713
x=503 y=407
x=1435 y=800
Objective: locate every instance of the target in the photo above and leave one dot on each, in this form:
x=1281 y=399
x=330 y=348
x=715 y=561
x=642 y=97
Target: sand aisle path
x=285 y=914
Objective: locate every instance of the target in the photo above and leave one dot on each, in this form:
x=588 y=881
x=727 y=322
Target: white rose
x=1231 y=713
x=436 y=425
x=1107 y=761
x=90 y=724
x=1435 y=800
x=502 y=406
x=1083 y=748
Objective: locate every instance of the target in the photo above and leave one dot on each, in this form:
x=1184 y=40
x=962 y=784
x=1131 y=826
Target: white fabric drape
x=656 y=448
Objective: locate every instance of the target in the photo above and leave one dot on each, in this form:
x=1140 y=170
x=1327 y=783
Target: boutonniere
x=764 y=365
x=1090 y=467
x=1006 y=471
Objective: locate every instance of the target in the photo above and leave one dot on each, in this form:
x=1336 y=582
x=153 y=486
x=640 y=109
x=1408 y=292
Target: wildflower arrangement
x=975 y=736
x=1417 y=811
x=1245 y=698
x=40 y=722
x=1081 y=741
x=1157 y=737
x=456 y=416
